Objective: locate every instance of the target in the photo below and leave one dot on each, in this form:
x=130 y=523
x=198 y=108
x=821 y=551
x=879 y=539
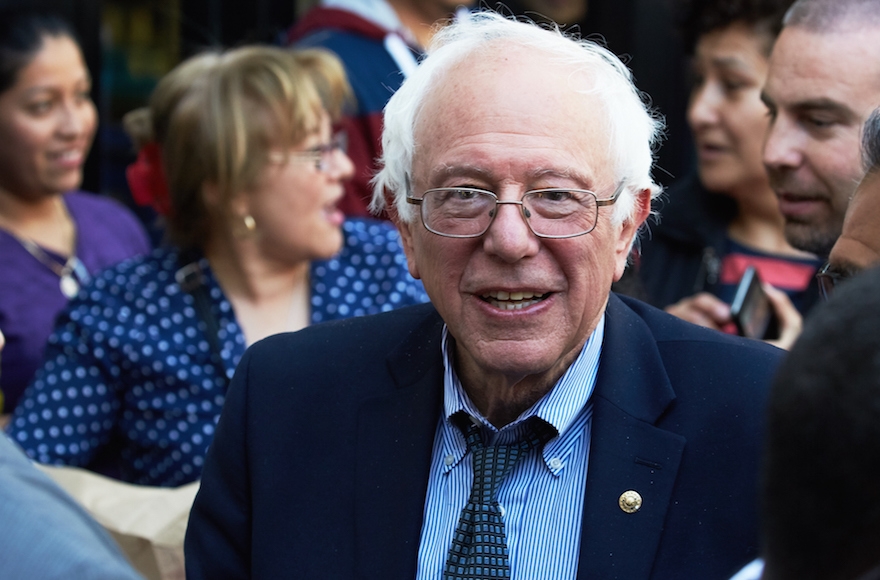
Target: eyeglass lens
x=323 y=154
x=829 y=278
x=826 y=286
x=469 y=212
x=326 y=153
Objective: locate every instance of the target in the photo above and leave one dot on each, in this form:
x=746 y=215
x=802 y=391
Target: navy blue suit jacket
x=320 y=462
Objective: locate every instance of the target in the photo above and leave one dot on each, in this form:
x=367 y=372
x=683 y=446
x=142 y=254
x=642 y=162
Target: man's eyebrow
x=844 y=267
x=466 y=170
x=821 y=104
x=584 y=179
x=825 y=104
x=459 y=170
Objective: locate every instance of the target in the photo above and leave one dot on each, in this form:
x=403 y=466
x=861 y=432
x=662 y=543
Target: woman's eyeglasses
x=323 y=156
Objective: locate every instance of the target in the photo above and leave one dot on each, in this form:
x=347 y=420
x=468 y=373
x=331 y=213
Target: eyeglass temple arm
x=611 y=200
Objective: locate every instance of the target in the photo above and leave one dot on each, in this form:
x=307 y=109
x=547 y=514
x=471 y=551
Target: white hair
x=634 y=130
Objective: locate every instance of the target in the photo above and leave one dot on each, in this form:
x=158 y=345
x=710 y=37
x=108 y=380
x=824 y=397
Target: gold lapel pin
x=630 y=501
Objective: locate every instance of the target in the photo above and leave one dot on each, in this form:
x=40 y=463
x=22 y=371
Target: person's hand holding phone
x=707 y=310
x=702 y=309
x=789 y=320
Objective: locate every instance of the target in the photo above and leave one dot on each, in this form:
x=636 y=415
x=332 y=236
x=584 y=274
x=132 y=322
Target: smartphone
x=751 y=310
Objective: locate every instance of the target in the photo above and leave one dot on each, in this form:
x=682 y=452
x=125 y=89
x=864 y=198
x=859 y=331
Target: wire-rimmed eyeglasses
x=467 y=212
x=829 y=278
x=323 y=156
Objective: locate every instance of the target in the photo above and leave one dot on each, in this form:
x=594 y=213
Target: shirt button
x=449 y=460
x=555 y=463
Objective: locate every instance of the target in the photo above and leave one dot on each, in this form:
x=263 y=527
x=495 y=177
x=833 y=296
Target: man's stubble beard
x=813 y=238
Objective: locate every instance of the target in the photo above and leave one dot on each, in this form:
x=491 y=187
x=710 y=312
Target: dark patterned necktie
x=479 y=545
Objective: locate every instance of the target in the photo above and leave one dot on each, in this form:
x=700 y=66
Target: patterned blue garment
x=129 y=363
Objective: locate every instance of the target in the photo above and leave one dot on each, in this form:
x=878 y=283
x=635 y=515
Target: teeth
x=512 y=300
x=502 y=295
x=68 y=155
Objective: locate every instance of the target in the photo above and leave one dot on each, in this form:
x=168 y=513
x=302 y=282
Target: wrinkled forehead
x=510 y=95
x=500 y=73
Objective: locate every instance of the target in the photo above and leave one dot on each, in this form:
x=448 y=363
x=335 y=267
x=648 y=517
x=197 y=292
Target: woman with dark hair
x=726 y=218
x=52 y=238
x=236 y=149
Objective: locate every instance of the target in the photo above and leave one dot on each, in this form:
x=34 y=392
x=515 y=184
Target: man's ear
x=406 y=237
x=629 y=229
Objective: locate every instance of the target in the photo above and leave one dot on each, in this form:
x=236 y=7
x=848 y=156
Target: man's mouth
x=793 y=206
x=512 y=300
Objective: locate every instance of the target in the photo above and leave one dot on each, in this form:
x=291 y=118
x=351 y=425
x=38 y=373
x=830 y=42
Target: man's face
x=517 y=305
x=820 y=89
x=858 y=247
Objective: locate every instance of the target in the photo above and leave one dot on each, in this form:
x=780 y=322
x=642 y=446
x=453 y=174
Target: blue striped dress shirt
x=542 y=499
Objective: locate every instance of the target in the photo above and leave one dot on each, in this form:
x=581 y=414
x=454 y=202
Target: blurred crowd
x=261 y=163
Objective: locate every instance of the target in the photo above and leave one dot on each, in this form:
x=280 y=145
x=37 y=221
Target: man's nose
x=509 y=236
x=782 y=145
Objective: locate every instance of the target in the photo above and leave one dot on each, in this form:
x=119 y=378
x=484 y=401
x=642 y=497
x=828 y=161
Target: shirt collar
x=559 y=407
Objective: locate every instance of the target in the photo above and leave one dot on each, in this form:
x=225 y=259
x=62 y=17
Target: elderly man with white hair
x=528 y=423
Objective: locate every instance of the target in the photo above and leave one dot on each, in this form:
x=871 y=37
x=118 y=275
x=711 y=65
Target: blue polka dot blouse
x=129 y=365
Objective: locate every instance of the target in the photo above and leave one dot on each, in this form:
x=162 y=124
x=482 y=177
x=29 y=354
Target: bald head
x=826 y=16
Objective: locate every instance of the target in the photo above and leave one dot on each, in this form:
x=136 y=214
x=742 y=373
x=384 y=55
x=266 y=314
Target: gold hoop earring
x=249 y=223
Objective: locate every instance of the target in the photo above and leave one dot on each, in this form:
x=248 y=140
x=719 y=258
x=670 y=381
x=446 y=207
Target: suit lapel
x=627 y=453
x=395 y=438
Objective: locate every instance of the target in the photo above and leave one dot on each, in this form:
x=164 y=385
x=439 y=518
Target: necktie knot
x=535 y=432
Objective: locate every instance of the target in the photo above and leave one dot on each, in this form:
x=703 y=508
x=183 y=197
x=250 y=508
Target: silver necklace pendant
x=69 y=286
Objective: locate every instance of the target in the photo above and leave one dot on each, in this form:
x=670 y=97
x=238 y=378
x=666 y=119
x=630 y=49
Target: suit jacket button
x=630 y=501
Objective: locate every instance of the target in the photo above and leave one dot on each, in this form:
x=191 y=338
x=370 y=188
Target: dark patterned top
x=130 y=367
